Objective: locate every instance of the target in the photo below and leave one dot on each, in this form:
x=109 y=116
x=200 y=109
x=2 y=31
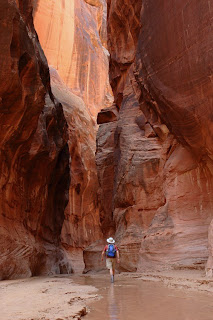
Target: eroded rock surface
x=161 y=162
x=73 y=36
x=81 y=226
x=34 y=161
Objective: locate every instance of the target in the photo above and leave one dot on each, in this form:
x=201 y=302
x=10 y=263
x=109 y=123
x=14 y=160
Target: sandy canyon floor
x=68 y=297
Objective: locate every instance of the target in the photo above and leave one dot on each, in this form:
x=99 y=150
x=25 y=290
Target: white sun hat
x=110 y=240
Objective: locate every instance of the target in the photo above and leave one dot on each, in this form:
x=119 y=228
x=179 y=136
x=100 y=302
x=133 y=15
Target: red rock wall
x=34 y=161
x=73 y=36
x=161 y=172
x=81 y=226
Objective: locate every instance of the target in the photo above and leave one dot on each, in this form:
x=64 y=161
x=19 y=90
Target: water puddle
x=130 y=299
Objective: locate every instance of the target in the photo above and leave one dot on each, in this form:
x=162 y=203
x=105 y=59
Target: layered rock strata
x=160 y=152
x=73 y=36
x=81 y=226
x=34 y=161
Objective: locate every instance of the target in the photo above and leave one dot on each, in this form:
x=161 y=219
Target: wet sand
x=49 y=298
x=176 y=295
x=192 y=280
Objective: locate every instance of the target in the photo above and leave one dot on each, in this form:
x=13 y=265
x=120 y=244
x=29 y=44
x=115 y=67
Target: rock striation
x=34 y=161
x=73 y=36
x=151 y=183
x=81 y=226
x=156 y=159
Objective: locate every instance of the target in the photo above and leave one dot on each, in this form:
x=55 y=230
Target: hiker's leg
x=113 y=271
x=109 y=265
x=113 y=266
x=112 y=274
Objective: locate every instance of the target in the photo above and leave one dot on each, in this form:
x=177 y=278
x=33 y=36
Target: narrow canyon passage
x=106 y=116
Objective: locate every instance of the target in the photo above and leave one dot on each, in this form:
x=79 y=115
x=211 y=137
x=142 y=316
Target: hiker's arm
x=118 y=256
x=102 y=255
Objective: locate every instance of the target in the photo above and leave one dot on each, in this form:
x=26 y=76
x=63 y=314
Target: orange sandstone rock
x=73 y=38
x=81 y=226
x=161 y=162
x=34 y=162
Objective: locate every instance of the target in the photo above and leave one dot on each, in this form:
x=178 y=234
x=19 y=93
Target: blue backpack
x=111 y=251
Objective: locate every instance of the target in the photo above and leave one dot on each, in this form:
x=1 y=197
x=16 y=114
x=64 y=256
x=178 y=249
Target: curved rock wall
x=34 y=161
x=154 y=145
x=73 y=36
x=81 y=226
x=161 y=163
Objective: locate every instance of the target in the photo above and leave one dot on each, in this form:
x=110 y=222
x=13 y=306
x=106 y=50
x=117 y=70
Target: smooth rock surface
x=73 y=37
x=92 y=257
x=161 y=176
x=82 y=222
x=34 y=161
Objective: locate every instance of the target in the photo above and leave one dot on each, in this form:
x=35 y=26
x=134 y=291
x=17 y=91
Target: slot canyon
x=106 y=121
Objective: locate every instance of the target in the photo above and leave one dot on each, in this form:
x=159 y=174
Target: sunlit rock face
x=34 y=161
x=81 y=226
x=161 y=163
x=73 y=36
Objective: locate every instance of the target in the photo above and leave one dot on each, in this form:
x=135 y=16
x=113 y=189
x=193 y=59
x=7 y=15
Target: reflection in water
x=113 y=307
x=130 y=299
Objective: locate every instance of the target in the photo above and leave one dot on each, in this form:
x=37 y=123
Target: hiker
x=111 y=251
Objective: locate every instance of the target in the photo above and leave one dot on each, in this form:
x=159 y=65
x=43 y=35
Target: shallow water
x=130 y=299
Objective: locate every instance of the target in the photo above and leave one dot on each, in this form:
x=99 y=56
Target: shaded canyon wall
x=34 y=161
x=41 y=112
x=155 y=160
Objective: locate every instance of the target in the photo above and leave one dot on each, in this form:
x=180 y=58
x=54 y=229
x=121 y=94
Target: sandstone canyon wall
x=81 y=226
x=151 y=186
x=73 y=36
x=155 y=161
x=34 y=162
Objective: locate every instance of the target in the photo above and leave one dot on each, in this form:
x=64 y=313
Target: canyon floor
x=72 y=296
x=42 y=298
